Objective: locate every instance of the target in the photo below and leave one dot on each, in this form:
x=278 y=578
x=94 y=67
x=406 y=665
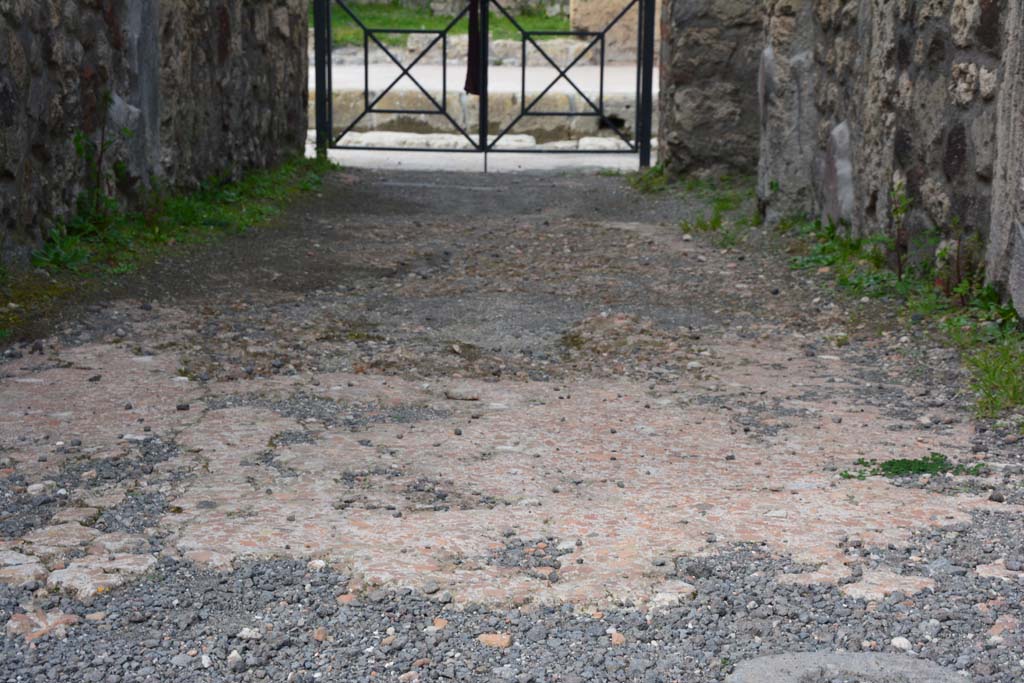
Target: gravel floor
x=567 y=280
x=285 y=622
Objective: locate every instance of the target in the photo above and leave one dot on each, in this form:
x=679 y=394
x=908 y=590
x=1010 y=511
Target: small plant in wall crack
x=897 y=237
x=97 y=201
x=96 y=204
x=959 y=261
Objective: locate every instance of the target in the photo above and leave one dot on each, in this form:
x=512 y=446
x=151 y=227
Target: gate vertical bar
x=647 y=86
x=485 y=39
x=322 y=47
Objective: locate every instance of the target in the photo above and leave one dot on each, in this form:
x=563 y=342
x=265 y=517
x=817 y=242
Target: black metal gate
x=328 y=137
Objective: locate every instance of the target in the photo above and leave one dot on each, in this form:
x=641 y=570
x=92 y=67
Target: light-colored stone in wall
x=1005 y=254
x=1015 y=281
x=837 y=183
x=789 y=121
x=964 y=85
x=964 y=21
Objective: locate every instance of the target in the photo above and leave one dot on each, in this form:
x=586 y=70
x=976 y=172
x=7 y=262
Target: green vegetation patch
x=573 y=340
x=949 y=291
x=346 y=31
x=730 y=208
x=102 y=240
x=995 y=356
x=858 y=264
x=935 y=463
x=729 y=202
x=649 y=180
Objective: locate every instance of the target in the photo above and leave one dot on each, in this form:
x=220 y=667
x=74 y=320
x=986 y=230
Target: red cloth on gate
x=473 y=61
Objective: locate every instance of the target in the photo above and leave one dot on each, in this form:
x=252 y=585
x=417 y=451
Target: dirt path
x=525 y=406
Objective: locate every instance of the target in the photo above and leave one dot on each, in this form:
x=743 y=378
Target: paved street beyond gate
x=466 y=427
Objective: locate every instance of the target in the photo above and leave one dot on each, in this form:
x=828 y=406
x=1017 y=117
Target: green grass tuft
x=649 y=180
x=573 y=340
x=726 y=199
x=998 y=375
x=345 y=31
x=935 y=463
x=112 y=242
x=62 y=251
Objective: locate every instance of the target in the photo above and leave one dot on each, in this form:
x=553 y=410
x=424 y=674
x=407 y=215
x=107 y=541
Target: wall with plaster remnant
x=860 y=99
x=1005 y=257
x=196 y=88
x=841 y=104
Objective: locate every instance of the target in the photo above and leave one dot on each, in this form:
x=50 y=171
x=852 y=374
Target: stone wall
x=786 y=80
x=863 y=100
x=708 y=102
x=1005 y=257
x=182 y=89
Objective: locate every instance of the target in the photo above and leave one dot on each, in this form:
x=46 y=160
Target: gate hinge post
x=322 y=58
x=647 y=28
x=485 y=39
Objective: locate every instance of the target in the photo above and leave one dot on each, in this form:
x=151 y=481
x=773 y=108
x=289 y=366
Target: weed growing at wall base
x=113 y=242
x=993 y=348
x=649 y=180
x=81 y=252
x=987 y=332
x=728 y=200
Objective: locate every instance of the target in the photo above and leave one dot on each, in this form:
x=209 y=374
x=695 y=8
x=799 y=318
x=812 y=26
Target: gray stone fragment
x=1016 y=280
x=839 y=197
x=824 y=667
x=235 y=662
x=181 y=660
